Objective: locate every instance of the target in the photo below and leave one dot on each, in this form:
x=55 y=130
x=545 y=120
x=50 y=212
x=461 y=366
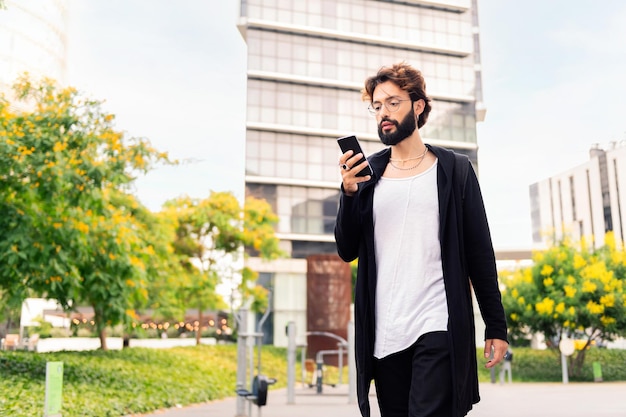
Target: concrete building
x=33 y=39
x=306 y=65
x=585 y=201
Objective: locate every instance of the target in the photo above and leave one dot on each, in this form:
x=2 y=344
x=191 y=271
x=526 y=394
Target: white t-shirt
x=410 y=292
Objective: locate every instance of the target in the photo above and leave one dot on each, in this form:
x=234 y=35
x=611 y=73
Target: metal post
x=320 y=373
x=351 y=365
x=340 y=362
x=242 y=326
x=564 y=368
x=291 y=362
x=303 y=365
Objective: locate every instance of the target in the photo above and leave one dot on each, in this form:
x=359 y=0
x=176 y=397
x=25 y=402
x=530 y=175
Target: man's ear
x=418 y=106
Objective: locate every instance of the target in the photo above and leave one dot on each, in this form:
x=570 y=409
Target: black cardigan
x=466 y=252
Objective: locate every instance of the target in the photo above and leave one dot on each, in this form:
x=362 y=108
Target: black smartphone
x=347 y=143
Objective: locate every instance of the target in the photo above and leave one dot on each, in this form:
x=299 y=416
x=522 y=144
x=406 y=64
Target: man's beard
x=404 y=129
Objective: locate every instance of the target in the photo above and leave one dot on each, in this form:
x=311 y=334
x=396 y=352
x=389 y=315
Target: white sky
x=174 y=72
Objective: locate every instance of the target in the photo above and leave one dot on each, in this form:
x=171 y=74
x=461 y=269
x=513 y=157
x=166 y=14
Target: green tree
x=69 y=226
x=570 y=291
x=210 y=237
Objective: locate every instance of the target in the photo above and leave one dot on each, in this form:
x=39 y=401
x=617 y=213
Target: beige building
x=585 y=201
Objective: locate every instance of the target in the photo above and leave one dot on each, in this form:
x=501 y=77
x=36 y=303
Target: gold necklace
x=410 y=159
x=410 y=168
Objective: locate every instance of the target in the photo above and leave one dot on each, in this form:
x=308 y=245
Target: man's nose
x=383 y=112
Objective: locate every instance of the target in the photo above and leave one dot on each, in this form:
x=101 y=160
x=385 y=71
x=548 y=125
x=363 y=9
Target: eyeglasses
x=393 y=105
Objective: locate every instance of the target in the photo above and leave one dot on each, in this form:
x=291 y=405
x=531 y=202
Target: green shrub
x=531 y=365
x=43 y=328
x=58 y=332
x=85 y=333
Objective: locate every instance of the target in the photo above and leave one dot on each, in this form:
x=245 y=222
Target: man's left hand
x=499 y=348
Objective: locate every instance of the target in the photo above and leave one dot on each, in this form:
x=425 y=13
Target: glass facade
x=408 y=21
x=33 y=38
x=306 y=65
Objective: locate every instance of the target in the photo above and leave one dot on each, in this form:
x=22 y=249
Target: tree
x=210 y=237
x=69 y=227
x=570 y=292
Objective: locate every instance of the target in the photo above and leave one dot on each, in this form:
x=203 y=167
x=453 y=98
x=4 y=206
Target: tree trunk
x=102 y=334
x=199 y=331
x=578 y=362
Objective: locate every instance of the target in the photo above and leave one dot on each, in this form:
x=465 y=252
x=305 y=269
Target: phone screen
x=351 y=143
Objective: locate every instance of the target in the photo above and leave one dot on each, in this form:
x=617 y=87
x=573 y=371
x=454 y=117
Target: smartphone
x=347 y=143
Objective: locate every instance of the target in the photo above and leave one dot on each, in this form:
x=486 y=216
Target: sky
x=553 y=83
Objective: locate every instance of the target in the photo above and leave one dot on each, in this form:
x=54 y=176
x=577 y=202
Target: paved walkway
x=605 y=399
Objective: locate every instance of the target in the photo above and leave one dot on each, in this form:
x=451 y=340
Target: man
x=419 y=229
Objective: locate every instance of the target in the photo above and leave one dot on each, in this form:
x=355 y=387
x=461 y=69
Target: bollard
x=242 y=324
x=320 y=375
x=597 y=372
x=291 y=362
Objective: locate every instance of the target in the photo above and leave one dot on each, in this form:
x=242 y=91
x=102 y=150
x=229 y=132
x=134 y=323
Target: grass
x=117 y=383
x=140 y=380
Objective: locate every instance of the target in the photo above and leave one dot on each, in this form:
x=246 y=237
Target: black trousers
x=416 y=382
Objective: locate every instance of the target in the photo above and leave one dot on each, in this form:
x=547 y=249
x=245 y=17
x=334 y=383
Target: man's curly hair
x=408 y=79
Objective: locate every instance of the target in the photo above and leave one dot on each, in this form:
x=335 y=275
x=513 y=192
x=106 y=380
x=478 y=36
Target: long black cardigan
x=466 y=252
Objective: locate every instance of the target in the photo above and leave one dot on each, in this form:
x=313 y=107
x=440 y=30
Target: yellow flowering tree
x=69 y=227
x=570 y=292
x=211 y=232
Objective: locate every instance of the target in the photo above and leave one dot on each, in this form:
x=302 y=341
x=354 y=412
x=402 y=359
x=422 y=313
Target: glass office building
x=33 y=38
x=307 y=62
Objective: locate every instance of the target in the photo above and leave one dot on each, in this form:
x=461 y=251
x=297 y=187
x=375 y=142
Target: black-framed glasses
x=392 y=104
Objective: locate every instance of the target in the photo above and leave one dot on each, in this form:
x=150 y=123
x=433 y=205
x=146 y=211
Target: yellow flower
x=58 y=147
x=607 y=320
x=82 y=227
x=521 y=301
x=547 y=270
x=589 y=286
x=595 y=308
x=609 y=240
x=137 y=262
x=527 y=276
x=580 y=344
x=548 y=281
x=569 y=291
x=579 y=261
x=545 y=306
x=560 y=307
x=514 y=317
x=607 y=300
